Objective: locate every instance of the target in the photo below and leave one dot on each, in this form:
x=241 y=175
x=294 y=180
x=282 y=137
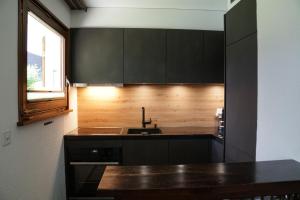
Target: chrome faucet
x=145 y=122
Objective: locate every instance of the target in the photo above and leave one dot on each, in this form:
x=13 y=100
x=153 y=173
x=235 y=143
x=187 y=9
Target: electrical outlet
x=6 y=138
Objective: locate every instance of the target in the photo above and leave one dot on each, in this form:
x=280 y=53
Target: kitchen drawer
x=95 y=154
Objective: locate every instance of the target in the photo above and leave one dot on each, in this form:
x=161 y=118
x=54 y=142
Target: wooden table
x=205 y=181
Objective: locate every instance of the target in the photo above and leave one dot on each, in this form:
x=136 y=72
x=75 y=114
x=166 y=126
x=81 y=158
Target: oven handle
x=94 y=163
x=91 y=198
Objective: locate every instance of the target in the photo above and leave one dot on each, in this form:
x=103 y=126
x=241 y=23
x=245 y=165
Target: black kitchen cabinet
x=133 y=56
x=217 y=150
x=145 y=152
x=241 y=100
x=97 y=55
x=240 y=21
x=241 y=82
x=85 y=161
x=87 y=156
x=184 y=56
x=189 y=151
x=145 y=54
x=213 y=67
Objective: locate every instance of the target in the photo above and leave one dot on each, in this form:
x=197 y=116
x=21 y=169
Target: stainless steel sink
x=143 y=131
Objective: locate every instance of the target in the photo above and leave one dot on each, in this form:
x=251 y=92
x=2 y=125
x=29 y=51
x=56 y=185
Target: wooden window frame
x=32 y=111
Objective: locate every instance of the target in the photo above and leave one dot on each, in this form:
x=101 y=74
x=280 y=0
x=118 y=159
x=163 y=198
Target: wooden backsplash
x=167 y=105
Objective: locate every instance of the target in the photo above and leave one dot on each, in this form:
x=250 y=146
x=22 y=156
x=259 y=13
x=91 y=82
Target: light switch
x=6 y=138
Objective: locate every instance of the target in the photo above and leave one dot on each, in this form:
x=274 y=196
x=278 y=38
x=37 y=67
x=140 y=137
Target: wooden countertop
x=165 y=131
x=206 y=181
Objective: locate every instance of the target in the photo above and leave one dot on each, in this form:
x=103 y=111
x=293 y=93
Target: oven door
x=86 y=171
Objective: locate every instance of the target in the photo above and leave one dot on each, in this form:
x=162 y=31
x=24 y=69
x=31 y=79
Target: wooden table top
x=226 y=180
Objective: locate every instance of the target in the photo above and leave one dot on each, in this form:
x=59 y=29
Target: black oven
x=86 y=167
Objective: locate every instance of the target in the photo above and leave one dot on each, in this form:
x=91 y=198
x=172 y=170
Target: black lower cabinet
x=86 y=158
x=145 y=152
x=85 y=162
x=189 y=151
x=217 y=150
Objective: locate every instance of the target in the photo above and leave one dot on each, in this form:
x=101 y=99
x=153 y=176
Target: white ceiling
x=160 y=4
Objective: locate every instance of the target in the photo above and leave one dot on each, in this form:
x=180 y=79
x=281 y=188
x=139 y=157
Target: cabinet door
x=145 y=56
x=213 y=67
x=241 y=100
x=184 y=56
x=240 y=21
x=97 y=55
x=145 y=152
x=217 y=151
x=189 y=151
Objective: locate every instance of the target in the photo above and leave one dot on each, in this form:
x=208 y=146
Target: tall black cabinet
x=241 y=82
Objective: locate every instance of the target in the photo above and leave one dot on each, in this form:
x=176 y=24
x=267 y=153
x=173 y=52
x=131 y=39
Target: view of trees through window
x=45 y=60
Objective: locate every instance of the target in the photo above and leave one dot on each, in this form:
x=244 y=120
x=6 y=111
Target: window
x=43 y=42
x=45 y=60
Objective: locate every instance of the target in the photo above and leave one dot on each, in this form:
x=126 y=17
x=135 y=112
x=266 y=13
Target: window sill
x=41 y=117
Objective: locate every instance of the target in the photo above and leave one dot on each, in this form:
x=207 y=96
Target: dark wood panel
x=189 y=151
x=213 y=67
x=184 y=56
x=145 y=152
x=145 y=55
x=204 y=181
x=97 y=55
x=241 y=99
x=240 y=21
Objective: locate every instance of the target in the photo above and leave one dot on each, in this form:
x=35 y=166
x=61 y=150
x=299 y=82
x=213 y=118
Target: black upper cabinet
x=184 y=56
x=213 y=67
x=145 y=53
x=240 y=21
x=97 y=55
x=130 y=56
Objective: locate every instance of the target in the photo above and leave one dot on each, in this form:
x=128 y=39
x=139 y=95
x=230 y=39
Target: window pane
x=45 y=60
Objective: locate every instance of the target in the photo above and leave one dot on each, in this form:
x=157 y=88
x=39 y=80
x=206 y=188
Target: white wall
x=278 y=131
x=32 y=167
x=205 y=18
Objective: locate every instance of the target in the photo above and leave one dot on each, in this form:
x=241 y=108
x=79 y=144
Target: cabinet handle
x=94 y=163
x=91 y=198
x=94 y=151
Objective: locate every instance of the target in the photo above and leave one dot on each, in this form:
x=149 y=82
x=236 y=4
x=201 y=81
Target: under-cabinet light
x=102 y=92
x=98 y=85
